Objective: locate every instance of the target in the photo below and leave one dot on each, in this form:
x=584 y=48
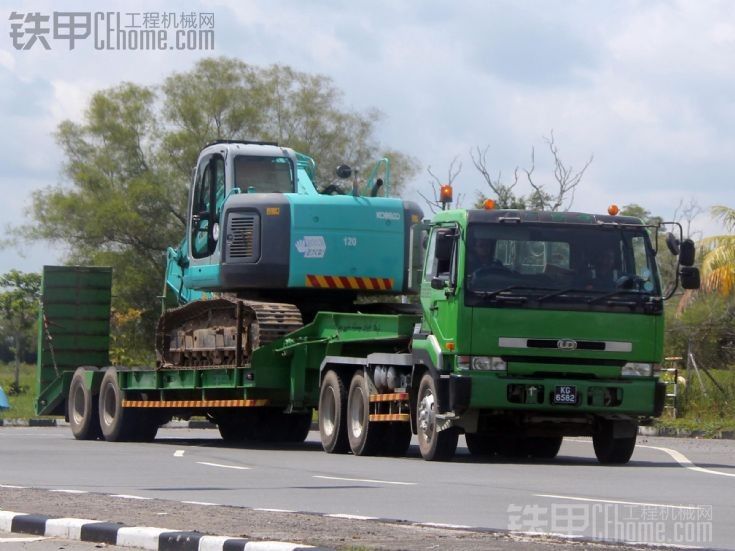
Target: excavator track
x=221 y=332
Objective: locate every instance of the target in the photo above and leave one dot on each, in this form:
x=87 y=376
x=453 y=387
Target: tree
x=128 y=162
x=553 y=197
x=718 y=260
x=19 y=307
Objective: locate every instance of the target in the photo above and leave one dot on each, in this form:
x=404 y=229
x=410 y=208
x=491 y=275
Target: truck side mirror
x=689 y=277
x=686 y=253
x=438 y=283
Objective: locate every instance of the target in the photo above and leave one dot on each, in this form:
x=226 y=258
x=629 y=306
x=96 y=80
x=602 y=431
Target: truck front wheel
x=333 y=413
x=82 y=408
x=612 y=450
x=435 y=445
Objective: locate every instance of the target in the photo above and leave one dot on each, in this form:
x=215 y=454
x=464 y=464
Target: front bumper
x=491 y=391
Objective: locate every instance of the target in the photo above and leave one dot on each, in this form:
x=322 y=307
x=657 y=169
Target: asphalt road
x=674 y=491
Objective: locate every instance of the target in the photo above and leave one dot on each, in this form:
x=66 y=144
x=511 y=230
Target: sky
x=645 y=87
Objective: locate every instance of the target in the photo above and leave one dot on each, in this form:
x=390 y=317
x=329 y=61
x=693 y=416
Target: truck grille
x=241 y=236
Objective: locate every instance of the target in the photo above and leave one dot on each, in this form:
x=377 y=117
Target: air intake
x=242 y=236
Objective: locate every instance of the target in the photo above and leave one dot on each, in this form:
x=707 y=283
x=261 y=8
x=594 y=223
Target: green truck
x=525 y=327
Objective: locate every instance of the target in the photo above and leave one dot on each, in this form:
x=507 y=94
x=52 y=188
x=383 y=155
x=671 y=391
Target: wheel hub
x=427 y=418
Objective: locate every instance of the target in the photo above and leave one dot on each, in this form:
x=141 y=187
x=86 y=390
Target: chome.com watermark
x=134 y=31
x=656 y=524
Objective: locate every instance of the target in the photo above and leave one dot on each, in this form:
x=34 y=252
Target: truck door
x=438 y=297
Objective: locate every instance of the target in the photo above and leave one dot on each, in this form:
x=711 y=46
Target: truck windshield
x=264 y=174
x=552 y=263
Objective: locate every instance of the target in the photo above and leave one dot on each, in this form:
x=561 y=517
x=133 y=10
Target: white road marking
x=69 y=491
x=350 y=517
x=365 y=480
x=684 y=461
x=273 y=510
x=179 y=453
x=10 y=486
x=22 y=540
x=125 y=496
x=677 y=456
x=224 y=466
x=199 y=503
x=596 y=500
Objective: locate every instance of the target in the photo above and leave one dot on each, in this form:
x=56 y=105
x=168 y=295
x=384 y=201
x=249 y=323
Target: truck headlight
x=481 y=363
x=637 y=369
x=488 y=363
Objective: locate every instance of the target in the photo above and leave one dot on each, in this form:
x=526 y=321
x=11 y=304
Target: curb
x=145 y=537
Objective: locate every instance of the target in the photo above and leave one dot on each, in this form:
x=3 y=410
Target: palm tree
x=718 y=262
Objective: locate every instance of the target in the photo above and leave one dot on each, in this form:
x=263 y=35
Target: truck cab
x=539 y=325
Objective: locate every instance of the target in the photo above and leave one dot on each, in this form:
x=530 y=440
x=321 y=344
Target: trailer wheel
x=435 y=445
x=610 y=450
x=365 y=437
x=481 y=444
x=298 y=427
x=82 y=408
x=333 y=413
x=117 y=423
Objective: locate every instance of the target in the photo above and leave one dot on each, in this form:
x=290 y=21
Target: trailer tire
x=118 y=424
x=299 y=425
x=435 y=445
x=333 y=414
x=481 y=444
x=610 y=450
x=543 y=447
x=365 y=437
x=82 y=408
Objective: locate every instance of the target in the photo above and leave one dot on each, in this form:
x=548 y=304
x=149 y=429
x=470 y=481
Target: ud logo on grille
x=566 y=344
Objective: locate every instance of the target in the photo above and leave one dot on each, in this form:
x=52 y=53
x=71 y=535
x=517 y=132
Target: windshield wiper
x=637 y=294
x=560 y=292
x=495 y=293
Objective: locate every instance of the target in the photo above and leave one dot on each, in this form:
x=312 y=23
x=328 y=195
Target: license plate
x=565 y=394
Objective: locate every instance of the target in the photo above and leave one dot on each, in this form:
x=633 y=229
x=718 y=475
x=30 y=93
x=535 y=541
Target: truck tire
x=610 y=450
x=118 y=424
x=365 y=438
x=434 y=445
x=481 y=444
x=543 y=447
x=232 y=429
x=333 y=414
x=82 y=408
x=397 y=439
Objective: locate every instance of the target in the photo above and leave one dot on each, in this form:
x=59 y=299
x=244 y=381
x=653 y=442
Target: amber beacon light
x=612 y=210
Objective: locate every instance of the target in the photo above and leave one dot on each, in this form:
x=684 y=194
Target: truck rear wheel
x=333 y=414
x=610 y=450
x=435 y=445
x=365 y=437
x=397 y=439
x=118 y=424
x=82 y=408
